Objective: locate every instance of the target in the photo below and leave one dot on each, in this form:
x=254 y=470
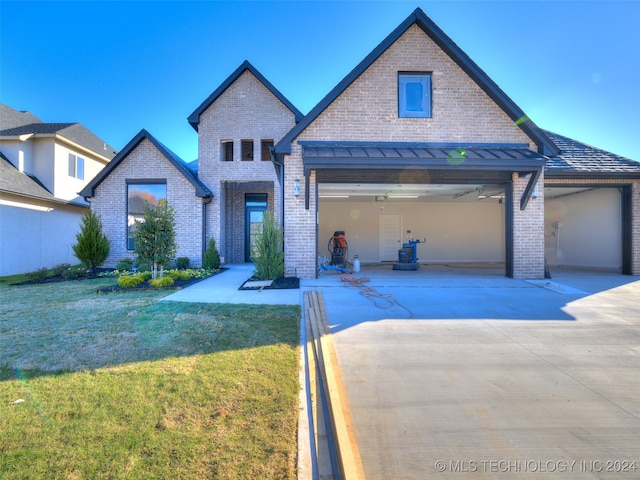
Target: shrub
x=182 y=263
x=126 y=264
x=179 y=274
x=161 y=282
x=92 y=247
x=39 y=274
x=59 y=270
x=74 y=272
x=211 y=256
x=268 y=257
x=130 y=281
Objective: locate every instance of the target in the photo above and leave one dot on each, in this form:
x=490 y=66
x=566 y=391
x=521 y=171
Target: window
x=138 y=196
x=414 y=95
x=76 y=166
x=265 y=154
x=247 y=150
x=227 y=151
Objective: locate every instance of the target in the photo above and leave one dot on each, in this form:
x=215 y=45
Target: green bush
x=130 y=281
x=211 y=256
x=126 y=264
x=39 y=274
x=182 y=263
x=161 y=282
x=268 y=257
x=59 y=270
x=74 y=272
x=92 y=247
x=179 y=274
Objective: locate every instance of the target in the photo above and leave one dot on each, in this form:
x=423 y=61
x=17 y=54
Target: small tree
x=268 y=257
x=211 y=256
x=92 y=247
x=155 y=237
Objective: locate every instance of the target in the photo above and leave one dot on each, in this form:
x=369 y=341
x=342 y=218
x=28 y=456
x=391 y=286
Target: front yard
x=124 y=386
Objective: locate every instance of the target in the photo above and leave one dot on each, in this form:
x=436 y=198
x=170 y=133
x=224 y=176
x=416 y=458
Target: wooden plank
x=349 y=460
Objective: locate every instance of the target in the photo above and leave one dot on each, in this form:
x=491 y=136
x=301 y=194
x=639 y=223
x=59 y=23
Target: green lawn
x=122 y=385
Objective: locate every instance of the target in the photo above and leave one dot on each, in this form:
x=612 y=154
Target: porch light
x=296 y=188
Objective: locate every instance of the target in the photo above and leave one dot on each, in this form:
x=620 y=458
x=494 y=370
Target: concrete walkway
x=223 y=288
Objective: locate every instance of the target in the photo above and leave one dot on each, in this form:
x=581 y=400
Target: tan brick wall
x=635 y=210
x=110 y=201
x=528 y=231
x=245 y=111
x=368 y=111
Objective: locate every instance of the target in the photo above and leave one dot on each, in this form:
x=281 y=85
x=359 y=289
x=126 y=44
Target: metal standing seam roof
x=405 y=155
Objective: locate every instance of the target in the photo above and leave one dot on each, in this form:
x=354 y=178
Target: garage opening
x=460 y=226
x=584 y=228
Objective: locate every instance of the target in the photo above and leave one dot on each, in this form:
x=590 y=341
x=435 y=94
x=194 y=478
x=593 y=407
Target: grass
x=122 y=385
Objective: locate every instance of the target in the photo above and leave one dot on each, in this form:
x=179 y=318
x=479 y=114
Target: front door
x=255 y=206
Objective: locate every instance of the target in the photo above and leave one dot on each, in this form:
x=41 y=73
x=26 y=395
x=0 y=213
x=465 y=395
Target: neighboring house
x=416 y=142
x=43 y=166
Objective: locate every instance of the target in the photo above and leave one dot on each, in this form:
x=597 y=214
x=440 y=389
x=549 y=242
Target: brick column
x=528 y=231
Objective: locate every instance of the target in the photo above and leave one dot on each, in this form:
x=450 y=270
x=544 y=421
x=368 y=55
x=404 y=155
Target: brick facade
x=110 y=202
x=368 y=111
x=247 y=110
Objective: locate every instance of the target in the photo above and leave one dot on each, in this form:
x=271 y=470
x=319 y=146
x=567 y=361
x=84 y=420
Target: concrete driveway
x=467 y=374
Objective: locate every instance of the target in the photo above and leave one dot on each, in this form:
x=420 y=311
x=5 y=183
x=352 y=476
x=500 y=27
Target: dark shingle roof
x=11 y=118
x=577 y=158
x=201 y=189
x=17 y=183
x=75 y=132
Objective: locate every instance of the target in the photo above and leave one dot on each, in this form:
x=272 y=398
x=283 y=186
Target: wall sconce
x=296 y=188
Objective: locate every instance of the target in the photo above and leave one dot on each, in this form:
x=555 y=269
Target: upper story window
x=247 y=150
x=227 y=151
x=414 y=95
x=139 y=194
x=265 y=154
x=76 y=166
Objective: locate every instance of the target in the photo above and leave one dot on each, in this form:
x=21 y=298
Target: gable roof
x=181 y=166
x=74 y=132
x=11 y=118
x=419 y=18
x=194 y=118
x=579 y=159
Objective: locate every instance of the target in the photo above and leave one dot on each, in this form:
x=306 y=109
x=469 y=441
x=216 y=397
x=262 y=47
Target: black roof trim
x=194 y=118
x=418 y=17
x=201 y=188
x=374 y=144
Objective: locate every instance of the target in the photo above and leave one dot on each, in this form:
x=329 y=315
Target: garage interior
x=463 y=225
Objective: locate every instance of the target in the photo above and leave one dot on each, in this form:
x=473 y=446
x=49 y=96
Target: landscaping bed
x=284 y=283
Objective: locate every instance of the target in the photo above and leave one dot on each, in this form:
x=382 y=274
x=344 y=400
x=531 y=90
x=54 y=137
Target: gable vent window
x=227 y=151
x=264 y=150
x=76 y=166
x=414 y=95
x=247 y=150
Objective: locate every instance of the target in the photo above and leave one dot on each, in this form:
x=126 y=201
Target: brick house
x=416 y=142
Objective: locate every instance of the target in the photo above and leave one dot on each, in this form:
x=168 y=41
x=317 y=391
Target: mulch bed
x=284 y=283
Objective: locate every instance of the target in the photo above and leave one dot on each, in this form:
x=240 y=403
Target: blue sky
x=120 y=66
